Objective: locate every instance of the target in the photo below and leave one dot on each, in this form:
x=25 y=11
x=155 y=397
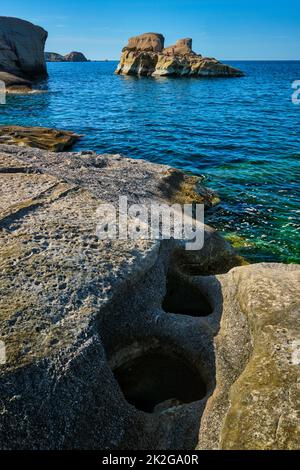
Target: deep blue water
x=242 y=134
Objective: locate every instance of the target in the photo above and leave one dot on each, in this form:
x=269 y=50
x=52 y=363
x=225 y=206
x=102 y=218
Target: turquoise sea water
x=242 y=134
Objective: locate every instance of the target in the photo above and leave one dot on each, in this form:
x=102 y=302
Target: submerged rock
x=145 y=55
x=110 y=344
x=38 y=137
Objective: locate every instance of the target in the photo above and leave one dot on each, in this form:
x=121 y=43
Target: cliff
x=146 y=55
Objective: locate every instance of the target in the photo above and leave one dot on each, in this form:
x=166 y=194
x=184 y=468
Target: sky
x=225 y=29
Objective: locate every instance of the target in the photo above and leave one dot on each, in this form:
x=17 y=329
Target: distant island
x=71 y=57
x=145 y=55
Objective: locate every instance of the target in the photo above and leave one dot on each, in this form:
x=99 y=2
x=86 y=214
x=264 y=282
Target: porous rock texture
x=145 y=55
x=45 y=138
x=99 y=331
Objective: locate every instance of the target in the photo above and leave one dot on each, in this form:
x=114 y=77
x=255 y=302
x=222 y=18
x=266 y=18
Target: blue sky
x=226 y=29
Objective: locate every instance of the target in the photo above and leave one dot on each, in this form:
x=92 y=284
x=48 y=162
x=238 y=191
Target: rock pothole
x=183 y=297
x=156 y=381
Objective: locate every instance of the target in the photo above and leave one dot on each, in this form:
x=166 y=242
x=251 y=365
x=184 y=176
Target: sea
x=241 y=135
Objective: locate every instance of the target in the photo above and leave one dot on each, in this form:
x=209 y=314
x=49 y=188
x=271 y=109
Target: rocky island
x=71 y=57
x=75 y=57
x=54 y=57
x=134 y=344
x=145 y=55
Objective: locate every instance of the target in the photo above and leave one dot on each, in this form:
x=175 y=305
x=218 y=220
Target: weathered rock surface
x=38 y=137
x=145 y=55
x=22 y=48
x=75 y=57
x=54 y=57
x=110 y=344
x=256 y=401
x=74 y=309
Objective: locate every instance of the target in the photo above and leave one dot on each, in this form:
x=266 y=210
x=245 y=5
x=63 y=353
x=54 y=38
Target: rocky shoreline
x=91 y=326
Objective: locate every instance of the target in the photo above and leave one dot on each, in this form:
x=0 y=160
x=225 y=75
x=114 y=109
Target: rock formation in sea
x=21 y=52
x=145 y=55
x=75 y=57
x=134 y=344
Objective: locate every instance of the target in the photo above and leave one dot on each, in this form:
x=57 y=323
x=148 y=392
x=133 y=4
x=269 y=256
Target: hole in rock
x=157 y=381
x=184 y=298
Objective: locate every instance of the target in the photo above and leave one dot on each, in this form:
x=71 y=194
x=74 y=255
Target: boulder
x=75 y=57
x=38 y=137
x=182 y=46
x=145 y=56
x=22 y=48
x=54 y=57
x=150 y=42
